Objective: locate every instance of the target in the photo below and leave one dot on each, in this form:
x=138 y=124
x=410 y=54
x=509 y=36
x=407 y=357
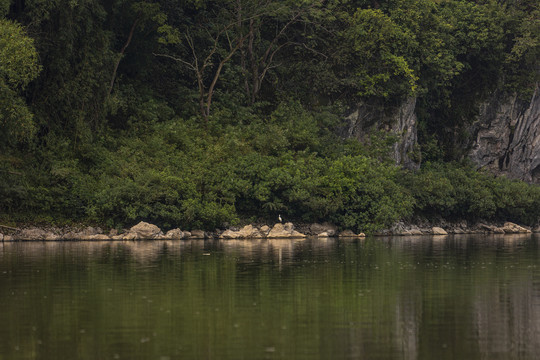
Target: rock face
x=401 y=122
x=507 y=137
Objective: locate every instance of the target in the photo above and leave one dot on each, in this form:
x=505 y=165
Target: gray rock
x=198 y=234
x=401 y=122
x=438 y=231
x=247 y=232
x=96 y=237
x=329 y=229
x=511 y=228
x=284 y=231
x=507 y=137
x=129 y=236
x=31 y=234
x=174 y=234
x=347 y=233
x=265 y=229
x=144 y=230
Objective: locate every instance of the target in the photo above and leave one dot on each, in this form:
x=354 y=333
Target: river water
x=455 y=297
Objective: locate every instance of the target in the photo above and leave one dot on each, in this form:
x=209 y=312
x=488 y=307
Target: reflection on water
x=452 y=297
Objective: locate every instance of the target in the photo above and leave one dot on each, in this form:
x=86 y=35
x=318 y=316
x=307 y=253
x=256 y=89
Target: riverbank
x=146 y=231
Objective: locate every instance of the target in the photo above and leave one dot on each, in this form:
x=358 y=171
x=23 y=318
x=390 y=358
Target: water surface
x=455 y=297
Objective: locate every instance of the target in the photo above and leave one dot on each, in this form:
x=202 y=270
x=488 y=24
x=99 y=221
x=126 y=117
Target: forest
x=207 y=114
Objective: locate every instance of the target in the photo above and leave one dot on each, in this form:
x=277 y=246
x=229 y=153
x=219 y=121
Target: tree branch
x=121 y=55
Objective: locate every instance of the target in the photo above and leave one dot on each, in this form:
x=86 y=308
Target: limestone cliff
x=400 y=121
x=507 y=137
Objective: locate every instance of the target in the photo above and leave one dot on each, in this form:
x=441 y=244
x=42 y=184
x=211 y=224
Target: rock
x=31 y=234
x=229 y=234
x=83 y=234
x=198 y=234
x=50 y=236
x=174 y=234
x=96 y=237
x=265 y=229
x=361 y=235
x=323 y=234
x=329 y=229
x=91 y=231
x=536 y=229
x=507 y=136
x=118 y=237
x=144 y=230
x=8 y=238
x=284 y=231
x=187 y=234
x=247 y=232
x=130 y=236
x=401 y=122
x=438 y=231
x=489 y=228
x=113 y=232
x=498 y=230
x=347 y=233
x=1 y=237
x=458 y=231
x=511 y=228
x=416 y=231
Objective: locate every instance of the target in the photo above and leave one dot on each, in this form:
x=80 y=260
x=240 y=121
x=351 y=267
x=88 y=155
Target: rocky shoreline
x=147 y=231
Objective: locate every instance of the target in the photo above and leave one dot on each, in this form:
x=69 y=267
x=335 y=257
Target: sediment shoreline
x=147 y=231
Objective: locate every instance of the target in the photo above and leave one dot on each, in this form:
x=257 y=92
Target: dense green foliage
x=201 y=113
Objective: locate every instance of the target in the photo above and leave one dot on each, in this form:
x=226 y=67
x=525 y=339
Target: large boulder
x=174 y=234
x=511 y=228
x=247 y=232
x=327 y=228
x=265 y=229
x=284 y=231
x=198 y=234
x=144 y=230
x=438 y=231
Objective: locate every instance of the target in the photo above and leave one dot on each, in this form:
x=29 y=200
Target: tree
x=18 y=67
x=257 y=30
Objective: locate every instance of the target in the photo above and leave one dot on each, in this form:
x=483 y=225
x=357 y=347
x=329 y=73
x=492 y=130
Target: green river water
x=455 y=297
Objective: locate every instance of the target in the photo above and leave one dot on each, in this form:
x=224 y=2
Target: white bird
x=279 y=217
